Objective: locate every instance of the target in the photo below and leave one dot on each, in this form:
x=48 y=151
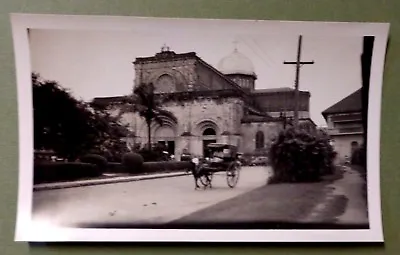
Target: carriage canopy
x=228 y=149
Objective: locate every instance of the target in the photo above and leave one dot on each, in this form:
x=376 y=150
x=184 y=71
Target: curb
x=74 y=184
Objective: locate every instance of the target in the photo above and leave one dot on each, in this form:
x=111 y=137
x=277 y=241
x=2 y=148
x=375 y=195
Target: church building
x=211 y=104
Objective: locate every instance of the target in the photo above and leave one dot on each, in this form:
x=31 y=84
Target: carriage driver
x=218 y=157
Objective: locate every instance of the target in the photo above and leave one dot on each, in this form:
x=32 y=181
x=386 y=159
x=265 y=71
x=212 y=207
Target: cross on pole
x=298 y=64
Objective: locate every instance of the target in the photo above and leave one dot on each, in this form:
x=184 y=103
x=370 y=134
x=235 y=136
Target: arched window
x=259 y=140
x=165 y=83
x=209 y=131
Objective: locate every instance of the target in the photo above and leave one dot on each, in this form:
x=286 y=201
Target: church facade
x=211 y=104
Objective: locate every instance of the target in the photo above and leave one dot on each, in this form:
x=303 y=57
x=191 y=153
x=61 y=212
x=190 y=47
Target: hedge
x=64 y=171
x=114 y=167
x=164 y=166
x=69 y=171
x=95 y=159
x=152 y=167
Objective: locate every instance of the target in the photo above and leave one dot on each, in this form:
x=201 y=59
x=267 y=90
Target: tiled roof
x=351 y=103
x=262 y=93
x=271 y=90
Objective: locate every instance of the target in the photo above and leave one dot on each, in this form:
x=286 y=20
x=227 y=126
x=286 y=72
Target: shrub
x=166 y=166
x=151 y=155
x=132 y=161
x=114 y=167
x=108 y=155
x=63 y=171
x=116 y=150
x=151 y=167
x=297 y=156
x=95 y=159
x=358 y=157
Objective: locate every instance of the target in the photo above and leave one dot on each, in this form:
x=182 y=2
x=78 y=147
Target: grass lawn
x=284 y=202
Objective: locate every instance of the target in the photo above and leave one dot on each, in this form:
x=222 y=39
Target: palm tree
x=144 y=102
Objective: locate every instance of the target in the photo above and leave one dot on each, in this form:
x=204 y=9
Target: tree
x=298 y=156
x=144 y=102
x=111 y=134
x=68 y=126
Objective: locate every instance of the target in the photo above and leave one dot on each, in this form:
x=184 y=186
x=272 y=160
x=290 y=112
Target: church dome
x=236 y=63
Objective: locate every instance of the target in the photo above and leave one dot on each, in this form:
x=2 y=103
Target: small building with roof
x=345 y=124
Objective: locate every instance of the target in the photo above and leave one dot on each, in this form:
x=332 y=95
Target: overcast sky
x=99 y=63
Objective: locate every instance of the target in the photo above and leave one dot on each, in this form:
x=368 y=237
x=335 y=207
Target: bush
x=95 y=159
x=166 y=166
x=114 y=167
x=115 y=151
x=151 y=155
x=132 y=161
x=359 y=156
x=64 y=171
x=297 y=156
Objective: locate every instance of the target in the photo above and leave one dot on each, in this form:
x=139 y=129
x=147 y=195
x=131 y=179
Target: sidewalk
x=345 y=203
x=72 y=184
x=352 y=187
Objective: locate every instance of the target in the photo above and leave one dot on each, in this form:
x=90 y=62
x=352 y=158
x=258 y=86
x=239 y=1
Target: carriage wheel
x=232 y=174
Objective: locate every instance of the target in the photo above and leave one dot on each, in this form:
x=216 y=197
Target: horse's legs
x=196 y=182
x=207 y=175
x=195 y=176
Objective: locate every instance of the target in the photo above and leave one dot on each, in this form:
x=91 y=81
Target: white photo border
x=26 y=230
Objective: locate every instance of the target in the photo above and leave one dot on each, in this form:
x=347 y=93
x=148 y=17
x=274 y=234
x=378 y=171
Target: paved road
x=147 y=201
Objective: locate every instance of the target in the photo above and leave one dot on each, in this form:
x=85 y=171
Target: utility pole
x=298 y=64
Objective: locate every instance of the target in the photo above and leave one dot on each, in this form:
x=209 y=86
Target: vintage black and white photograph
x=161 y=129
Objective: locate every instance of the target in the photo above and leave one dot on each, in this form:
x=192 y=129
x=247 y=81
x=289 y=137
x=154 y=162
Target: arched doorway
x=165 y=136
x=209 y=136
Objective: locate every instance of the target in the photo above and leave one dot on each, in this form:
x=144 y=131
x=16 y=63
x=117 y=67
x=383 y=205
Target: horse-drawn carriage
x=224 y=158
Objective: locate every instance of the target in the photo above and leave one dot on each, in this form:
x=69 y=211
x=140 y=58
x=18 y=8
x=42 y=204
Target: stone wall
x=302 y=114
x=167 y=76
x=174 y=75
x=342 y=145
x=249 y=131
x=223 y=115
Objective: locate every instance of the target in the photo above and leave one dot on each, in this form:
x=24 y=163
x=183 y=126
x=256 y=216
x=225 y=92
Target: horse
x=198 y=172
